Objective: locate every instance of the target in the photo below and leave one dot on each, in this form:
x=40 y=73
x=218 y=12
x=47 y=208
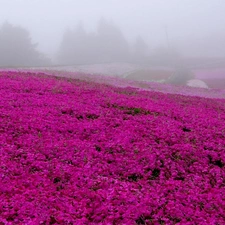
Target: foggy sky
x=185 y=20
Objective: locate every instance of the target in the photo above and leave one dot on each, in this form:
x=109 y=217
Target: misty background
x=172 y=33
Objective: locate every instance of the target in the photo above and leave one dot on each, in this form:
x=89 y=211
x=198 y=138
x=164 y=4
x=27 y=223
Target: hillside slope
x=79 y=152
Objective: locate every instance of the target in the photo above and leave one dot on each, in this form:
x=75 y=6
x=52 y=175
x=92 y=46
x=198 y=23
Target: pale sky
x=185 y=19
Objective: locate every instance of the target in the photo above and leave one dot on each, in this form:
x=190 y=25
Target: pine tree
x=17 y=49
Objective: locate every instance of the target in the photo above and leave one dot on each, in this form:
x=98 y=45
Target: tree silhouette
x=76 y=46
x=66 y=51
x=17 y=49
x=162 y=56
x=107 y=44
x=112 y=45
x=140 y=49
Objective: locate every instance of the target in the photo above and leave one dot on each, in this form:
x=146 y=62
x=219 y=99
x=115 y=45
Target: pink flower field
x=79 y=152
x=214 y=77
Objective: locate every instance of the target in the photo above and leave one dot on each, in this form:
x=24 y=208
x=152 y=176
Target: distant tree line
x=107 y=44
x=17 y=49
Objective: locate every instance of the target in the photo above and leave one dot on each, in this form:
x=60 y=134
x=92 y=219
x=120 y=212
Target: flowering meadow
x=214 y=77
x=80 y=152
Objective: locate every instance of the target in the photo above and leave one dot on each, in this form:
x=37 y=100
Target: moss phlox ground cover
x=77 y=152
